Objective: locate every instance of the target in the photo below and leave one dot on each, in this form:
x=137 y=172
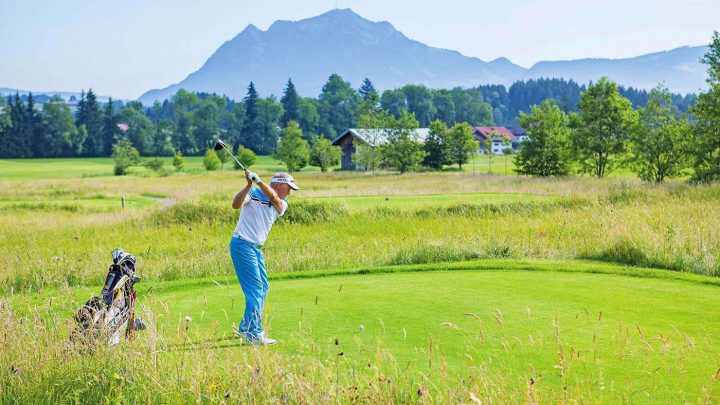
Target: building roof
x=376 y=136
x=495 y=132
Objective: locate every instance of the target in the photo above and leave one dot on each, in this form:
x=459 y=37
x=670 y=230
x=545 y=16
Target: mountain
x=342 y=42
x=680 y=69
x=338 y=41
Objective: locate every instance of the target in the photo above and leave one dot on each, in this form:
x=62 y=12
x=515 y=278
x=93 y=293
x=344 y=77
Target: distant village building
x=350 y=139
x=520 y=136
x=498 y=135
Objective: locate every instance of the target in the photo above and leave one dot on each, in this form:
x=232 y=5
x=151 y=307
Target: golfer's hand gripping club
x=253 y=177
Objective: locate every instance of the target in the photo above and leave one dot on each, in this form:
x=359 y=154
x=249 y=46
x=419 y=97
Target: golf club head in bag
x=117 y=254
x=221 y=145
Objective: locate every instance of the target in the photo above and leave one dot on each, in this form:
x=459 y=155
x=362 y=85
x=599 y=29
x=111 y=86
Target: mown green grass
x=531 y=330
x=497 y=164
x=505 y=165
x=59 y=168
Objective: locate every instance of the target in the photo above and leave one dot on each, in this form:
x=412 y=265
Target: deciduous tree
x=292 y=149
x=324 y=154
x=548 y=151
x=603 y=123
x=660 y=140
x=461 y=144
x=707 y=114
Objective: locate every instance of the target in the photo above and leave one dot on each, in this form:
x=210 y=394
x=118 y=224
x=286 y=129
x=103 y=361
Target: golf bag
x=112 y=314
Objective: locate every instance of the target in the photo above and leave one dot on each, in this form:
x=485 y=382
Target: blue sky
x=123 y=48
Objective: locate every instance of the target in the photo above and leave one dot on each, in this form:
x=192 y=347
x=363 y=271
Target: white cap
x=286 y=178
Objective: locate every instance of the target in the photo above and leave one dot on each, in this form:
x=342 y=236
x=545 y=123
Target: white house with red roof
x=501 y=137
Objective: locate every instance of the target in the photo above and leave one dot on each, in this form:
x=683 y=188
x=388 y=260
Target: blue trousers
x=251 y=273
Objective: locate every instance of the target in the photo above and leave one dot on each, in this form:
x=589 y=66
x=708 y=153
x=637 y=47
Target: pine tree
x=367 y=91
x=250 y=125
x=4 y=127
x=110 y=129
x=17 y=139
x=260 y=127
x=250 y=101
x=291 y=104
x=90 y=115
x=33 y=128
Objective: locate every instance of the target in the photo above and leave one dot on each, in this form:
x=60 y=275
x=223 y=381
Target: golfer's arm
x=240 y=197
x=272 y=195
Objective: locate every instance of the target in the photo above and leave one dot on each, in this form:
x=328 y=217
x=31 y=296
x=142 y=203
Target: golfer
x=261 y=206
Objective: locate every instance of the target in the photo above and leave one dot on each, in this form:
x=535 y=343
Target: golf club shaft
x=233 y=156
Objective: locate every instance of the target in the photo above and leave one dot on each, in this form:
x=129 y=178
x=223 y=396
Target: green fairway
x=64 y=168
x=60 y=168
x=575 y=334
x=54 y=168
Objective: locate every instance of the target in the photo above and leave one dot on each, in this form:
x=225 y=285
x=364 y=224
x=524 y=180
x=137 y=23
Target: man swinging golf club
x=261 y=206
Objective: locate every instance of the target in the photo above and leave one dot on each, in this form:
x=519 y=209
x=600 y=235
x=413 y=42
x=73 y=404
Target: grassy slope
x=641 y=339
x=654 y=341
x=414 y=201
x=672 y=226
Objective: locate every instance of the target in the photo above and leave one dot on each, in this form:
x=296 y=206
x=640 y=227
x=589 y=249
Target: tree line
x=190 y=122
x=657 y=141
x=654 y=135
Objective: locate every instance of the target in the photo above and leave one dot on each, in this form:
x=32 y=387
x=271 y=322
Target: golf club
x=221 y=145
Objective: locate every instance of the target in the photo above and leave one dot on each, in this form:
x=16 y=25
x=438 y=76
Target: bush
x=189 y=213
x=223 y=156
x=211 y=160
x=306 y=212
x=154 y=164
x=635 y=253
x=245 y=156
x=178 y=161
x=324 y=154
x=125 y=155
x=299 y=212
x=432 y=254
x=292 y=149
